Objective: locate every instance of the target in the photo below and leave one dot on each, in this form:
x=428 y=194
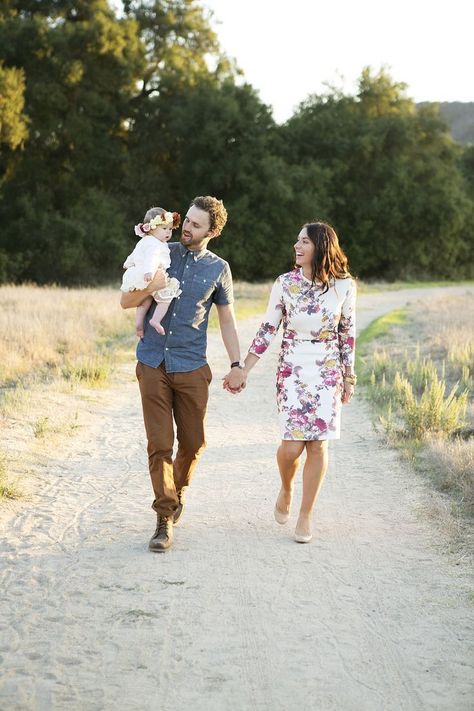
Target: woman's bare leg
x=288 y=458
x=314 y=472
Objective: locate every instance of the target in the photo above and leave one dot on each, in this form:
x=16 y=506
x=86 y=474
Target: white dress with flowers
x=318 y=342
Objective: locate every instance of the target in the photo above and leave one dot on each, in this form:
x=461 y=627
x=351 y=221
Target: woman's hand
x=235 y=380
x=347 y=392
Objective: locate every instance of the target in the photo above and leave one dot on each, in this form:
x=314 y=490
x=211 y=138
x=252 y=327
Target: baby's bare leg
x=140 y=316
x=160 y=311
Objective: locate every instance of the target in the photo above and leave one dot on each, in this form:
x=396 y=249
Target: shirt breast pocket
x=200 y=288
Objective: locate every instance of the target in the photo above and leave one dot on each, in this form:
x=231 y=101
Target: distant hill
x=459 y=116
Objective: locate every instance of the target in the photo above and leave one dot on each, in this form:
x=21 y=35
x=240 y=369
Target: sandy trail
x=370 y=615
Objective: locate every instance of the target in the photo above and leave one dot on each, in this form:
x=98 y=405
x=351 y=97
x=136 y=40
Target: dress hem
x=312 y=439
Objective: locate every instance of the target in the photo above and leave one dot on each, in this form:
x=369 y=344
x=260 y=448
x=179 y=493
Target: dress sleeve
x=129 y=262
x=347 y=326
x=162 y=256
x=136 y=258
x=271 y=321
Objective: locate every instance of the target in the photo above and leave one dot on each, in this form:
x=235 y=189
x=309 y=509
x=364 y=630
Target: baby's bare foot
x=158 y=327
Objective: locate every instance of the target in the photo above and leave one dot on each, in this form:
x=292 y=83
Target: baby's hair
x=153 y=212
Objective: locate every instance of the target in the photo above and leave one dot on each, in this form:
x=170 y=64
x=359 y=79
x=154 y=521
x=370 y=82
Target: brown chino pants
x=183 y=396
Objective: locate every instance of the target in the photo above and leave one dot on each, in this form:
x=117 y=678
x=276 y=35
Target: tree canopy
x=104 y=113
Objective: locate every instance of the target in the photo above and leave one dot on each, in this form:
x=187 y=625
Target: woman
x=316 y=303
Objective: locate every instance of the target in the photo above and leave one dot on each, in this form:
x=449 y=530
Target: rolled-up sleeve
x=224 y=293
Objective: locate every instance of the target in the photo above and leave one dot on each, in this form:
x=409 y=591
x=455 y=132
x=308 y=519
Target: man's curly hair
x=216 y=210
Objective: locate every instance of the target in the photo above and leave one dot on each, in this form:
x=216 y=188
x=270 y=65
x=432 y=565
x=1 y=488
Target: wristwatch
x=237 y=364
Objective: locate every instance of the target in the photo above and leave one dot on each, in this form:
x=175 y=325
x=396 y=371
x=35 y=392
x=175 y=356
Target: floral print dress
x=318 y=342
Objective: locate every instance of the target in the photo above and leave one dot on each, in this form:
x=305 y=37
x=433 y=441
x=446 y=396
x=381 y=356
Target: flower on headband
x=176 y=220
x=165 y=219
x=142 y=229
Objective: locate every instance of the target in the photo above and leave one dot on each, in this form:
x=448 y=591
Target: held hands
x=235 y=380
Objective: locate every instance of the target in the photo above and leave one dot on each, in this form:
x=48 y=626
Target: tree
x=81 y=66
x=103 y=115
x=218 y=138
x=178 y=41
x=397 y=189
x=13 y=121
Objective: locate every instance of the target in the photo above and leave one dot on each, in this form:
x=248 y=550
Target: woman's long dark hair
x=329 y=260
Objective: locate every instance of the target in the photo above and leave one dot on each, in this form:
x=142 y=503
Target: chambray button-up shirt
x=205 y=279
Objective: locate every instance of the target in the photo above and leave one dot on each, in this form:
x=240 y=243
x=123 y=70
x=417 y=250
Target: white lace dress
x=318 y=342
x=149 y=255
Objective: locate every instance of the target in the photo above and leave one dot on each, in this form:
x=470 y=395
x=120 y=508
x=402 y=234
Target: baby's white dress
x=149 y=255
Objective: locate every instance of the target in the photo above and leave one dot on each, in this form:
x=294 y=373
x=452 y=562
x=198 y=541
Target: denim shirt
x=205 y=279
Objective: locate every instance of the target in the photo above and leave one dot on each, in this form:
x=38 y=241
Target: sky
x=288 y=50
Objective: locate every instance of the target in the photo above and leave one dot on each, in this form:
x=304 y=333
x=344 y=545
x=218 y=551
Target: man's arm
x=129 y=299
x=235 y=379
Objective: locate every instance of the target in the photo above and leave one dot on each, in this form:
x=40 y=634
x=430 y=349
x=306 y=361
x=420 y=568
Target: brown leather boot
x=163 y=536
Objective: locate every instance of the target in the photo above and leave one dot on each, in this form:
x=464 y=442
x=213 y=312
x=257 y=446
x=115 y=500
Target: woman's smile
x=304 y=250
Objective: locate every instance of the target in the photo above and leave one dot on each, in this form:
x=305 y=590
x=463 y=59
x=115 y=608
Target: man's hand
x=159 y=281
x=235 y=380
x=130 y=299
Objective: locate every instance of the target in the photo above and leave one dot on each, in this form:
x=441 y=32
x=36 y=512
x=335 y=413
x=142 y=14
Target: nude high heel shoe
x=281 y=516
x=303 y=534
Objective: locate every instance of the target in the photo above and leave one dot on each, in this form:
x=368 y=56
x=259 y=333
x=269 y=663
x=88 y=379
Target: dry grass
x=8 y=488
x=250 y=300
x=421 y=381
x=57 y=346
x=74 y=333
x=452 y=463
x=444 y=330
x=373 y=286
x=48 y=330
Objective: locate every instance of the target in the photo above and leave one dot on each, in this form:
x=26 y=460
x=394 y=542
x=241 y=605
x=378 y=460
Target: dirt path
x=370 y=615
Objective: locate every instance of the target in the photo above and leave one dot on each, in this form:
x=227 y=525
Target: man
x=172 y=370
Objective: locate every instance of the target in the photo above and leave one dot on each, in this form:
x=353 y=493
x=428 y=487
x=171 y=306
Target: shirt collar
x=197 y=255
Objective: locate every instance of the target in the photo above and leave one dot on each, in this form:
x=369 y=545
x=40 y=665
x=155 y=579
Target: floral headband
x=163 y=220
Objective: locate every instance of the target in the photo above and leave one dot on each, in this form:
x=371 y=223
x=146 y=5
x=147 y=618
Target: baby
x=151 y=253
